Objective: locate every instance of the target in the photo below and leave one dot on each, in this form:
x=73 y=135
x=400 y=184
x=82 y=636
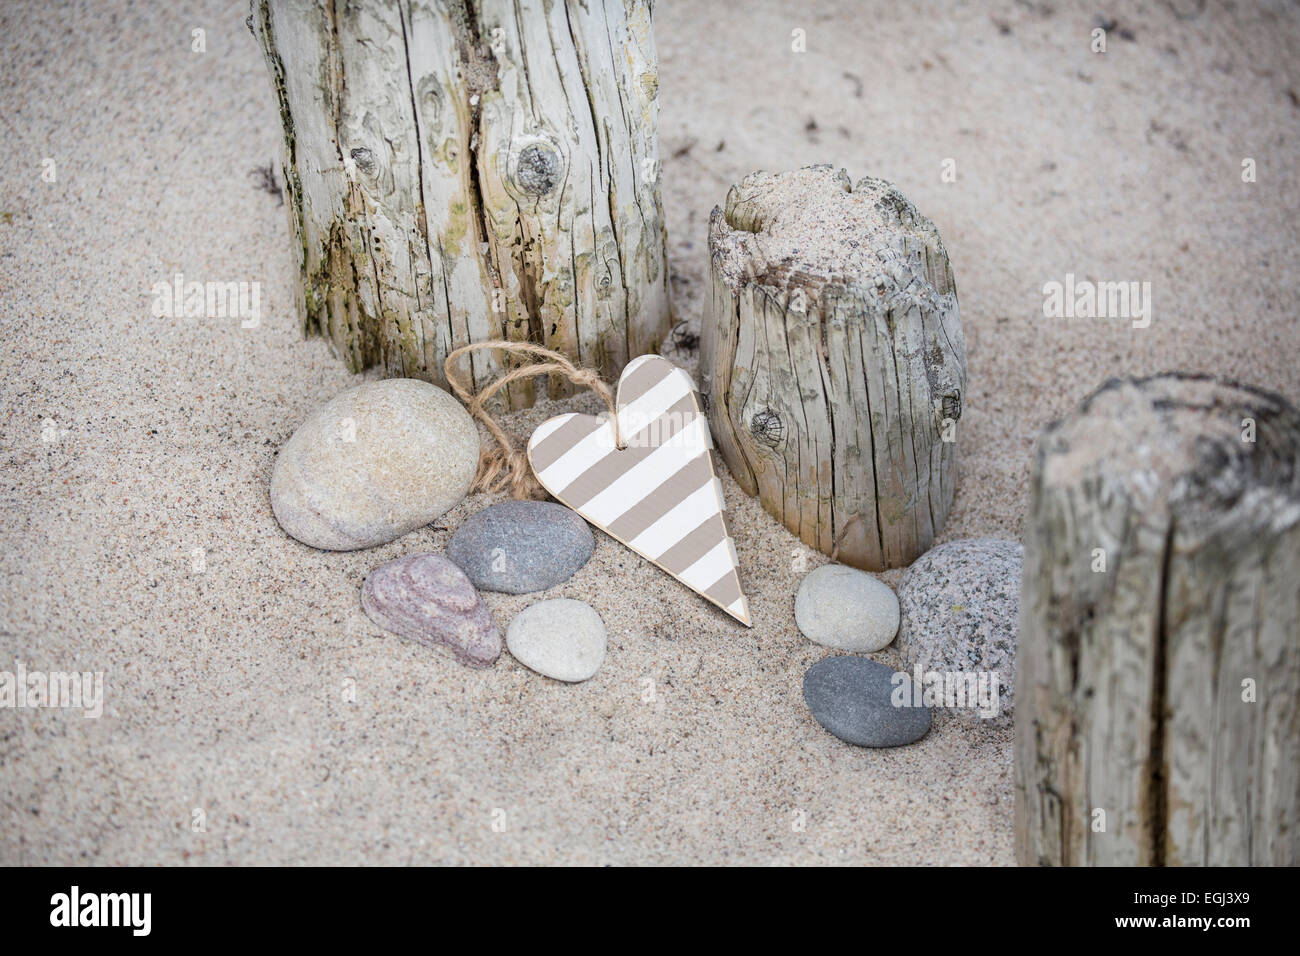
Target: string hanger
x=506 y=468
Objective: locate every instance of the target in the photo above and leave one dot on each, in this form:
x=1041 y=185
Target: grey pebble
x=852 y=697
x=518 y=547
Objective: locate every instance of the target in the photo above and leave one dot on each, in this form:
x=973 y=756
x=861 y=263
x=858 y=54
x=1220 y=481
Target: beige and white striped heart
x=658 y=494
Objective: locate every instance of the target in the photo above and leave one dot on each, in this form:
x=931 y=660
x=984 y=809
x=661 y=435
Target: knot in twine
x=506 y=468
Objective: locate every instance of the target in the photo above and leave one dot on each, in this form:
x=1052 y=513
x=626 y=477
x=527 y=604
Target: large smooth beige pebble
x=373 y=463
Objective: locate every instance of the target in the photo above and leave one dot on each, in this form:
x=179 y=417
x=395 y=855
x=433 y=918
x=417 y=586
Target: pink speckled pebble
x=428 y=599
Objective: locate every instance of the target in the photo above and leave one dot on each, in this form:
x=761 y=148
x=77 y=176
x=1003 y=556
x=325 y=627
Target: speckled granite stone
x=960 y=613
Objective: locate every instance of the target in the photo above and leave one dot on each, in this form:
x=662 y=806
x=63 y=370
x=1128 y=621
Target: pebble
x=961 y=609
x=847 y=609
x=852 y=697
x=373 y=463
x=560 y=638
x=522 y=546
x=428 y=599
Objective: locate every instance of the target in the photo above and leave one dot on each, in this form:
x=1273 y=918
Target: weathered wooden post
x=1158 y=667
x=833 y=359
x=458 y=172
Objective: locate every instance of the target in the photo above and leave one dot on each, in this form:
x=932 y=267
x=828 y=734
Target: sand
x=247 y=692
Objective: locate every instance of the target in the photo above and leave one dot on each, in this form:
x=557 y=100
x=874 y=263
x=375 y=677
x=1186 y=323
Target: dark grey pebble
x=852 y=698
x=518 y=547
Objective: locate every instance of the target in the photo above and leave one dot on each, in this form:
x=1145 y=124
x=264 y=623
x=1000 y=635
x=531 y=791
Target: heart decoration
x=658 y=494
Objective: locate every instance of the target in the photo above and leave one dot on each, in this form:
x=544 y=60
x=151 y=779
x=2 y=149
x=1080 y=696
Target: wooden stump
x=833 y=359
x=1158 y=671
x=458 y=172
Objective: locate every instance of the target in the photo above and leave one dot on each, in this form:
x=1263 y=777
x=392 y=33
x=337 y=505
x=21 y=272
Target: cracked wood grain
x=1129 y=680
x=833 y=357
x=458 y=172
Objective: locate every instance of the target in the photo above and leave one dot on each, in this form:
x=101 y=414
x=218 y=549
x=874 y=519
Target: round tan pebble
x=373 y=463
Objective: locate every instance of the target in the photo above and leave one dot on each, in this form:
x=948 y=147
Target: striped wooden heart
x=658 y=494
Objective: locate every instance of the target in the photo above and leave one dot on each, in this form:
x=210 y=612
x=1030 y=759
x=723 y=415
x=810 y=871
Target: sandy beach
x=252 y=714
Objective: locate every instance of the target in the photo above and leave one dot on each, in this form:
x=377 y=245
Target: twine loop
x=506 y=468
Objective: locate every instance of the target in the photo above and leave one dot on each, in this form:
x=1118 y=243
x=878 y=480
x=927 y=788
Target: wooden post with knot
x=832 y=359
x=461 y=172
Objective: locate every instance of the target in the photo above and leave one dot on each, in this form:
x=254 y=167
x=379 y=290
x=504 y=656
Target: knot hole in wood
x=767 y=428
x=537 y=170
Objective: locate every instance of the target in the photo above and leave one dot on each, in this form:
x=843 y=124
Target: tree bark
x=1158 y=671
x=463 y=171
x=833 y=358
